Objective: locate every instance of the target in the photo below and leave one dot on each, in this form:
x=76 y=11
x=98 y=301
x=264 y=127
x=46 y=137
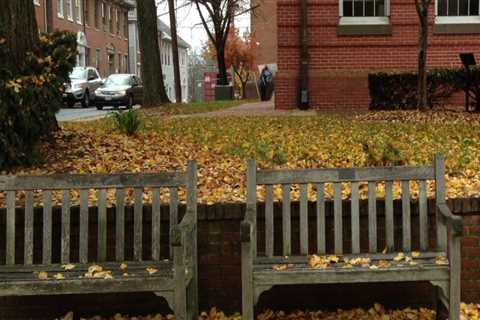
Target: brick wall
x=219 y=264
x=339 y=65
x=264 y=26
x=99 y=38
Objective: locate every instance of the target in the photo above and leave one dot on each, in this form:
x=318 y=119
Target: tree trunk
x=14 y=16
x=176 y=65
x=154 y=90
x=222 y=67
x=422 y=10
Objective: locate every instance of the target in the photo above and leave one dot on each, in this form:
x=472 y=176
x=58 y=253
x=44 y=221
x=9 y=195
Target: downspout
x=303 y=88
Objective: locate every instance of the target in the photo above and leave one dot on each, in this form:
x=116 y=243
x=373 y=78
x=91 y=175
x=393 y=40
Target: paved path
x=78 y=113
x=257 y=109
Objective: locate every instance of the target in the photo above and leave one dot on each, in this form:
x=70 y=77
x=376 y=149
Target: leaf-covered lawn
x=193 y=107
x=222 y=145
x=377 y=312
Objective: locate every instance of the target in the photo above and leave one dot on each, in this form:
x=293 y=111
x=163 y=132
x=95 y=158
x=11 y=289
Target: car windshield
x=118 y=79
x=78 y=73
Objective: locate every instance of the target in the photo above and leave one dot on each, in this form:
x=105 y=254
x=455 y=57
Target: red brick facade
x=264 y=26
x=339 y=65
x=101 y=28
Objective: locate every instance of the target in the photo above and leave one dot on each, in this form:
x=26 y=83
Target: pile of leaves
x=30 y=97
x=221 y=147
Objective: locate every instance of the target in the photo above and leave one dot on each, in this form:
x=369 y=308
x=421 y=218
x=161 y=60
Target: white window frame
x=456 y=19
x=36 y=2
x=70 y=10
x=78 y=7
x=364 y=20
x=60 y=9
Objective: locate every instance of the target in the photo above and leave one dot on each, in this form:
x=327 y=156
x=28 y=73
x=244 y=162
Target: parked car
x=81 y=88
x=119 y=90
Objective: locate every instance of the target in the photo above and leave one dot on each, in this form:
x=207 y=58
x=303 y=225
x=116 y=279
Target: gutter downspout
x=303 y=88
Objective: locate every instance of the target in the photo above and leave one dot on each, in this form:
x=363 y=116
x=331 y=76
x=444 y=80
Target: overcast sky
x=189 y=23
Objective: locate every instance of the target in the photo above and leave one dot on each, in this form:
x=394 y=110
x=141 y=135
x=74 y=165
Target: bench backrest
x=100 y=183
x=353 y=176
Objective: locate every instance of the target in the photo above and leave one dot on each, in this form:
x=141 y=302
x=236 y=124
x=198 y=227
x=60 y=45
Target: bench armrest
x=186 y=226
x=455 y=223
x=246 y=227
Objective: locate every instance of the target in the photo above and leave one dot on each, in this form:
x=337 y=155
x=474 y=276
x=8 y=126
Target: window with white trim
x=364 y=11
x=60 y=8
x=78 y=9
x=69 y=10
x=458 y=8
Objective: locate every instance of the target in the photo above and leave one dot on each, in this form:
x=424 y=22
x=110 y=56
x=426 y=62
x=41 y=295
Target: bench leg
x=192 y=299
x=455 y=278
x=180 y=307
x=247 y=284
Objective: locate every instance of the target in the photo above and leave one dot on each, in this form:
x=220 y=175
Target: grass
x=222 y=145
x=194 y=107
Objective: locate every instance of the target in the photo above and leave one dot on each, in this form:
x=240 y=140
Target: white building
x=166 y=57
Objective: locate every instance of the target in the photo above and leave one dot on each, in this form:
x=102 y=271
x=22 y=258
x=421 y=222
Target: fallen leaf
x=59 y=276
x=151 y=270
x=42 y=275
x=68 y=267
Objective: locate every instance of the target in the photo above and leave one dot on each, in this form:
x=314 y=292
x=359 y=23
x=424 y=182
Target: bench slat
x=10 y=249
x=97 y=181
x=269 y=236
x=304 y=219
x=156 y=224
x=28 y=246
x=65 y=245
x=406 y=224
x=47 y=227
x=102 y=224
x=120 y=225
x=321 y=246
x=422 y=206
x=83 y=248
x=440 y=198
x=355 y=219
x=173 y=212
x=344 y=175
x=137 y=224
x=338 y=223
x=389 y=222
x=286 y=220
x=372 y=217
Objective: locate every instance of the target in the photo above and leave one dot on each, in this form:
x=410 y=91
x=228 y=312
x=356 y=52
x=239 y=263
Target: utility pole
x=176 y=65
x=303 y=94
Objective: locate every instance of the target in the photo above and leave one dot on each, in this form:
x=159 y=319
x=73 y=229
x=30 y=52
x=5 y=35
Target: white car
x=81 y=88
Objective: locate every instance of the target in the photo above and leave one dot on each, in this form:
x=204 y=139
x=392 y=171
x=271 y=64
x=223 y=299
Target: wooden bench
x=172 y=274
x=261 y=271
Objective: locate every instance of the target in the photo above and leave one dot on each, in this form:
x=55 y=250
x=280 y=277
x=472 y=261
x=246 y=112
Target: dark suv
x=81 y=88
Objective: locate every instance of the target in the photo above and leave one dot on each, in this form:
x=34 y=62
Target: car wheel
x=86 y=100
x=130 y=102
x=99 y=107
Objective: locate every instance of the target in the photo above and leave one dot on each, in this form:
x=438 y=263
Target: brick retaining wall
x=219 y=266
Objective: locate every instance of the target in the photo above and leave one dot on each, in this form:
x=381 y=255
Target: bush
x=398 y=91
x=128 y=122
x=30 y=99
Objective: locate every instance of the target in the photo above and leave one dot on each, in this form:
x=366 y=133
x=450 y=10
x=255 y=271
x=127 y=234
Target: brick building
x=347 y=39
x=101 y=27
x=264 y=24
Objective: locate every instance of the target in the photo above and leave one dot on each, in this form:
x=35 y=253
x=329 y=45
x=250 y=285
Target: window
x=125 y=24
x=120 y=61
x=78 y=7
x=87 y=11
x=125 y=63
x=69 y=10
x=117 y=19
x=97 y=59
x=110 y=19
x=364 y=8
x=60 y=8
x=87 y=56
x=96 y=13
x=111 y=63
x=104 y=15
x=457 y=8
x=92 y=75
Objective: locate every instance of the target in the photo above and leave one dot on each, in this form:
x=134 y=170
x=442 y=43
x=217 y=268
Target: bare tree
x=422 y=11
x=176 y=65
x=154 y=88
x=217 y=17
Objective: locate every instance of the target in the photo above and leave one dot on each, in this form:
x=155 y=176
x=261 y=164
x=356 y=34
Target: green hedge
x=30 y=99
x=398 y=90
